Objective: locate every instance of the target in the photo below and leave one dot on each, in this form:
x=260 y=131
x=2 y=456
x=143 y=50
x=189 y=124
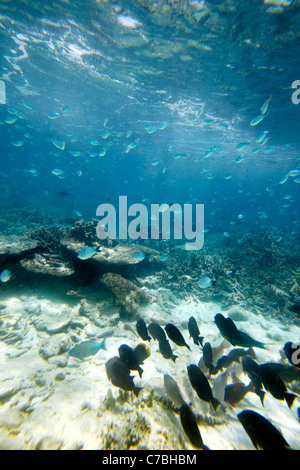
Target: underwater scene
x=149 y=225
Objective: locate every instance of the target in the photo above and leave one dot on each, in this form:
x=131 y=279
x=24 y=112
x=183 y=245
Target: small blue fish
x=294 y=173
x=257 y=120
x=53 y=115
x=265 y=106
x=234 y=270
x=205 y=282
x=87 y=252
x=163 y=258
x=5 y=276
x=139 y=256
x=86 y=349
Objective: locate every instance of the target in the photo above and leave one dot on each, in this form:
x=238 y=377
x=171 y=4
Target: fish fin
x=200 y=339
x=214 y=283
x=103 y=345
x=187 y=346
x=215 y=403
x=261 y=395
x=289 y=398
x=205 y=447
x=140 y=371
x=174 y=357
x=137 y=390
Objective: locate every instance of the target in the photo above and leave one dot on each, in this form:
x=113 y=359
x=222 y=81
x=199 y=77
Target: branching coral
x=49 y=236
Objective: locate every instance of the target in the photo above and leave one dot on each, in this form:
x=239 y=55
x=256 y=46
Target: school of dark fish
x=264 y=378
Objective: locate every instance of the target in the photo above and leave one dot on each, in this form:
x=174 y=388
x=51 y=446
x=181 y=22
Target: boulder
x=55 y=345
x=127 y=294
x=52 y=322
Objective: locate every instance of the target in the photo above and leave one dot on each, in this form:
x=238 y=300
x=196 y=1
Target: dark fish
x=236 y=353
x=222 y=363
x=142 y=331
x=142 y=352
x=234 y=270
x=287 y=373
x=190 y=427
x=175 y=335
x=194 y=331
x=156 y=332
x=292 y=352
x=165 y=350
x=130 y=358
x=64 y=193
x=251 y=368
x=227 y=328
x=275 y=385
x=248 y=342
x=262 y=432
x=201 y=385
x=234 y=393
x=119 y=375
x=208 y=356
x=234 y=336
x=295 y=308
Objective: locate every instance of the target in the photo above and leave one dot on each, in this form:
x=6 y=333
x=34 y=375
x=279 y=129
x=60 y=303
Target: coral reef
x=84 y=232
x=266 y=276
x=127 y=294
x=50 y=264
x=49 y=237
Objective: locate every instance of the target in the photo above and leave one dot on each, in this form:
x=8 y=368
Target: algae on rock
x=127 y=294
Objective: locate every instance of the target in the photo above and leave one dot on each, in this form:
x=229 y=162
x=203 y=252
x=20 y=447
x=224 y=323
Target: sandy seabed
x=49 y=400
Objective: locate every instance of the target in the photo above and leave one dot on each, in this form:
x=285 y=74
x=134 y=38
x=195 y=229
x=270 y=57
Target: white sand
x=83 y=410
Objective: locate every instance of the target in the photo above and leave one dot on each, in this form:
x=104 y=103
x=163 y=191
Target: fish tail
x=261 y=395
x=200 y=339
x=260 y=345
x=103 y=345
x=140 y=371
x=215 y=403
x=289 y=398
x=174 y=357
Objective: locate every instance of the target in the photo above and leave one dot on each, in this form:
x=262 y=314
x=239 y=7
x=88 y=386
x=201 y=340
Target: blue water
x=200 y=70
x=186 y=102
